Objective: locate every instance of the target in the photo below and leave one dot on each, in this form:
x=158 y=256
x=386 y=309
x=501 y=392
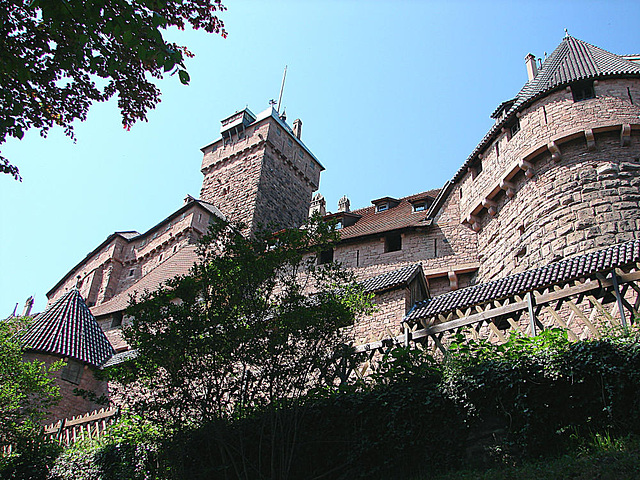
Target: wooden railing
x=584 y=308
x=89 y=425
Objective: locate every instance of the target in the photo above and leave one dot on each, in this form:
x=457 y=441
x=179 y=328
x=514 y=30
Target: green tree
x=241 y=334
x=26 y=392
x=57 y=57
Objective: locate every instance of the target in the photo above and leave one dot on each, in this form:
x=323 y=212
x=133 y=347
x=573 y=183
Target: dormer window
x=419 y=206
x=582 y=91
x=339 y=224
x=385 y=203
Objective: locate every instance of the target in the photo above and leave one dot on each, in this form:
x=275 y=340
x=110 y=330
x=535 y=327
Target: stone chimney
x=344 y=204
x=532 y=68
x=297 y=128
x=318 y=205
x=28 y=305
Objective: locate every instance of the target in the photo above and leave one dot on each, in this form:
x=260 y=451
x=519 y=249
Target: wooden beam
x=562 y=323
x=616 y=292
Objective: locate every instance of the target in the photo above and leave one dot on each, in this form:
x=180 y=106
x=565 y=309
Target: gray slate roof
x=600 y=261
x=120 y=357
x=391 y=280
x=67 y=328
x=571 y=61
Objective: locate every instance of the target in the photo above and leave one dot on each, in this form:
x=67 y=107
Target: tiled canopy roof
x=398 y=217
x=559 y=272
x=179 y=263
x=391 y=280
x=68 y=329
x=571 y=61
x=120 y=357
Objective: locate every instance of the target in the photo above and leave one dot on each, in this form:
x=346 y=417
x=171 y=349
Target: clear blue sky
x=393 y=97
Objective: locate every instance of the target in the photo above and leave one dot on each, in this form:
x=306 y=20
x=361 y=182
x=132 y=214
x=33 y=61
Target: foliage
x=128 y=450
x=242 y=334
x=26 y=391
x=58 y=57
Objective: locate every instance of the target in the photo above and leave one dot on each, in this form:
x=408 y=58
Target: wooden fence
x=90 y=425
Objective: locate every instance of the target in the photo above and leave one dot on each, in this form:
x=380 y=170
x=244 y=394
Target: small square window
x=325 y=257
x=72 y=372
x=582 y=91
x=116 y=320
x=393 y=242
x=289 y=142
x=381 y=207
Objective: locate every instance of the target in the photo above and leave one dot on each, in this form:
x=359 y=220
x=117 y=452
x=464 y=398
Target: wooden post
x=532 y=314
x=407 y=335
x=616 y=291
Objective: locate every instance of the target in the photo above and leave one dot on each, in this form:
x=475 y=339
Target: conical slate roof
x=574 y=60
x=67 y=328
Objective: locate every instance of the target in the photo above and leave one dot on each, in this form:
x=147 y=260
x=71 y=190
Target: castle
x=540 y=218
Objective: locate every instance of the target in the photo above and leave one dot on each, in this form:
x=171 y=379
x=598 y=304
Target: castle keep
x=540 y=226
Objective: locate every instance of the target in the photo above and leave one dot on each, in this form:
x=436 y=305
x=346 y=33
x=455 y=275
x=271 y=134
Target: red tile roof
x=68 y=329
x=178 y=264
x=399 y=217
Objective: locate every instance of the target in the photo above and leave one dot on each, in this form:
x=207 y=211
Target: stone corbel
x=625 y=135
x=527 y=167
x=556 y=154
x=474 y=222
x=453 y=280
x=491 y=206
x=591 y=139
x=509 y=188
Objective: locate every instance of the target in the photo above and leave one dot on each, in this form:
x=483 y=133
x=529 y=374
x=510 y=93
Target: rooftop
x=67 y=328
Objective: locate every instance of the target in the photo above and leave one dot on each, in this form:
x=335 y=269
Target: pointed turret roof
x=67 y=328
x=571 y=61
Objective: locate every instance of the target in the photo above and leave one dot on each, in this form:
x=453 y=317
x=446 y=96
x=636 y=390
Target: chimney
x=297 y=128
x=318 y=205
x=532 y=68
x=344 y=204
x=28 y=305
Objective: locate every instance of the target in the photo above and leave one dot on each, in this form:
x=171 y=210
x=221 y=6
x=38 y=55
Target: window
x=393 y=242
x=199 y=217
x=582 y=91
x=160 y=258
x=339 y=224
x=300 y=154
x=278 y=131
x=131 y=272
x=381 y=207
x=420 y=206
x=325 y=257
x=116 y=320
x=515 y=128
x=289 y=142
x=72 y=372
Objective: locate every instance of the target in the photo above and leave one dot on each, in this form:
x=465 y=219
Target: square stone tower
x=259 y=172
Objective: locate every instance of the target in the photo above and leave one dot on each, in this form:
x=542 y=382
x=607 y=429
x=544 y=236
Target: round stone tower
x=559 y=172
